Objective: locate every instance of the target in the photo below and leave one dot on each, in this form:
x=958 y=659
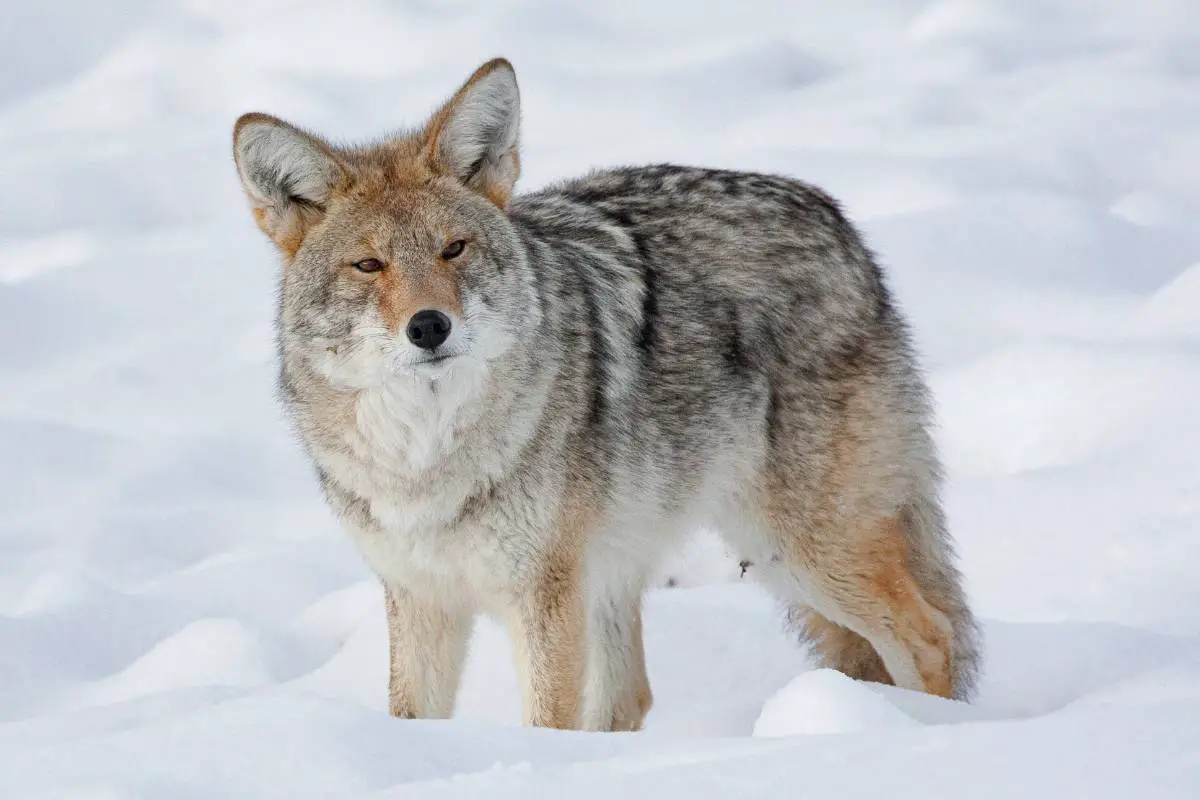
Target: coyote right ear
x=287 y=174
x=474 y=136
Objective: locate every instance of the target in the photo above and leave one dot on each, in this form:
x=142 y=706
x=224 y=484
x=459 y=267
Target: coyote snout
x=517 y=404
x=428 y=329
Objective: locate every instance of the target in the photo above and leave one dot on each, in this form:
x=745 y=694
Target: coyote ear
x=474 y=136
x=287 y=174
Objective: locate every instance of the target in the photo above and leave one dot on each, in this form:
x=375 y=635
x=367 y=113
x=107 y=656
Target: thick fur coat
x=517 y=404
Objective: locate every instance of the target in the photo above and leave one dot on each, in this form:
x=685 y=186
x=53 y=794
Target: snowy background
x=180 y=616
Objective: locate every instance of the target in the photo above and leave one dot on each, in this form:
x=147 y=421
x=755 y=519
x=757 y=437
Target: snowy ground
x=181 y=618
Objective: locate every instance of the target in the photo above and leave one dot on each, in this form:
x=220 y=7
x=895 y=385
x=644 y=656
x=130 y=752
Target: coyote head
x=400 y=261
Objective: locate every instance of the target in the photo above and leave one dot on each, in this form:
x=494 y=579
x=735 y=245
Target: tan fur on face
x=395 y=193
x=404 y=293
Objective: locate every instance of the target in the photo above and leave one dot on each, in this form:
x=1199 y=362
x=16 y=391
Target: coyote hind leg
x=859 y=579
x=838 y=647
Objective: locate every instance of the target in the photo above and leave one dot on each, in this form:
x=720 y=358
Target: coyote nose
x=427 y=329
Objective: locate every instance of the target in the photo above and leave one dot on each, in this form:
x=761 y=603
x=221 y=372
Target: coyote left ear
x=474 y=136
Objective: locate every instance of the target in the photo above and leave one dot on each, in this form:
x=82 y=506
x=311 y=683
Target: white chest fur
x=410 y=422
x=411 y=455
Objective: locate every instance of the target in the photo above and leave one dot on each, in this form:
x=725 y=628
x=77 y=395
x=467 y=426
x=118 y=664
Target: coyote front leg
x=618 y=695
x=547 y=629
x=428 y=647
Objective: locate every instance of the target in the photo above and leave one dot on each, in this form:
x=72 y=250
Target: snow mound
x=208 y=652
x=826 y=701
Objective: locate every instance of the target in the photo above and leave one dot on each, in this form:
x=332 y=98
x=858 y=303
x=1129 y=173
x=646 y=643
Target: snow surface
x=180 y=616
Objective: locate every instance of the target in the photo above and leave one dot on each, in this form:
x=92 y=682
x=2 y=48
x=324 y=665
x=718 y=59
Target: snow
x=825 y=701
x=180 y=616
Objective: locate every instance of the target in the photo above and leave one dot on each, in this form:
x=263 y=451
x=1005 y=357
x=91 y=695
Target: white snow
x=826 y=701
x=180 y=616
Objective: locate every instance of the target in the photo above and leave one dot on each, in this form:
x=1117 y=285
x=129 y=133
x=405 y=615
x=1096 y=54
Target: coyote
x=516 y=404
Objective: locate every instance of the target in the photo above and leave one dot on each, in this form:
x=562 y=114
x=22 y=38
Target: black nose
x=427 y=329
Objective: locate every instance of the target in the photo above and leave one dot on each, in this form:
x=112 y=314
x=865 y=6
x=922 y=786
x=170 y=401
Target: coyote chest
x=429 y=518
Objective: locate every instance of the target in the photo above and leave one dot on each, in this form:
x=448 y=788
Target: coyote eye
x=454 y=249
x=368 y=265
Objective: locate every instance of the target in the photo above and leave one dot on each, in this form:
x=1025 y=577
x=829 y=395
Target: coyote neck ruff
x=517 y=404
